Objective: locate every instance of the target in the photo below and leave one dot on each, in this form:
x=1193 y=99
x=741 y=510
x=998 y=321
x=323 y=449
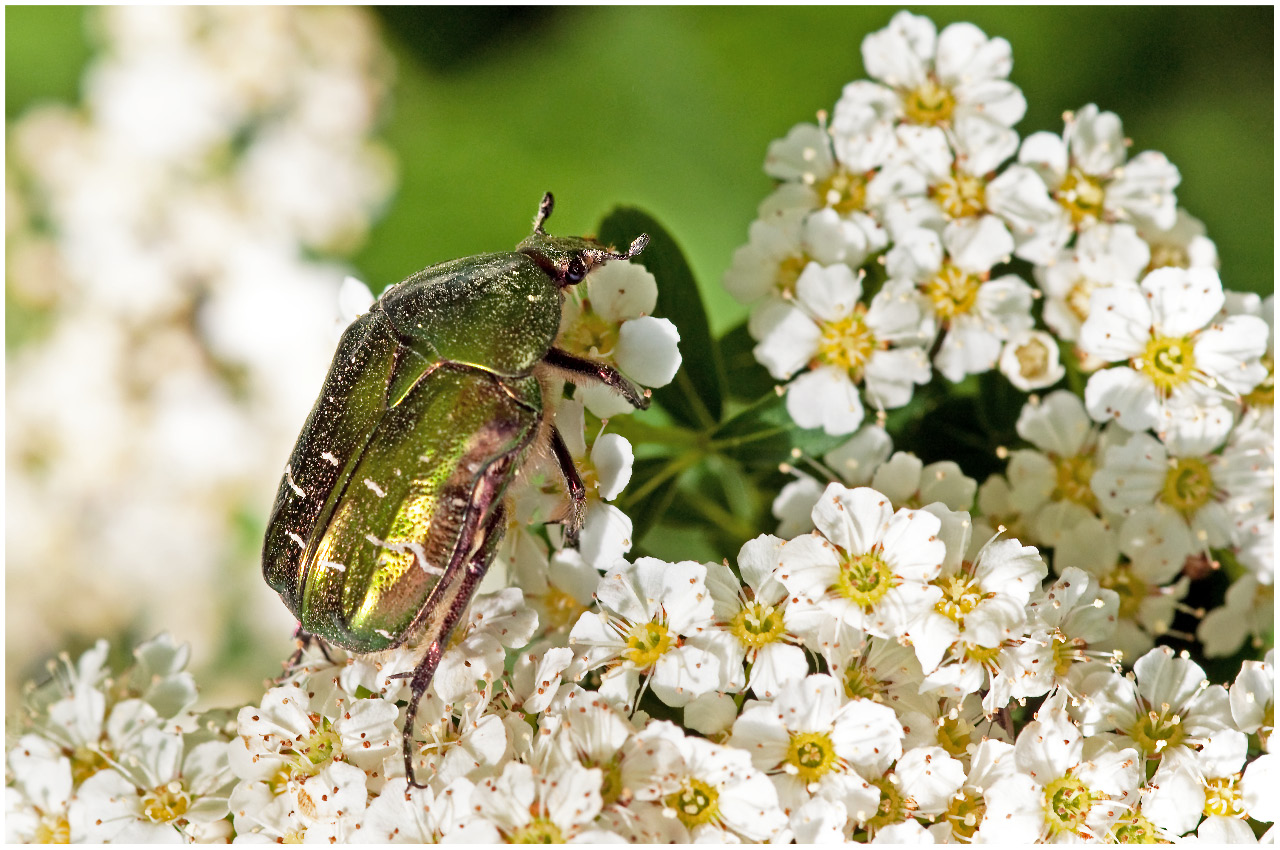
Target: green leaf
x=748 y=380
x=694 y=397
x=764 y=435
x=654 y=485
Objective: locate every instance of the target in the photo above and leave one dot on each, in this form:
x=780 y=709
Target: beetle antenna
x=544 y=212
x=637 y=245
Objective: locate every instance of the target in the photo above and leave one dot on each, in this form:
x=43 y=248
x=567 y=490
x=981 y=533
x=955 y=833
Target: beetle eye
x=577 y=270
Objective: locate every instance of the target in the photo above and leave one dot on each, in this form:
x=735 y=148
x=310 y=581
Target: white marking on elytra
x=386 y=634
x=373 y=485
x=331 y=457
x=293 y=485
x=334 y=565
x=416 y=548
x=296 y=538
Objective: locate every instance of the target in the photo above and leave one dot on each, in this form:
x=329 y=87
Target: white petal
x=613 y=458
x=1123 y=396
x=965 y=54
x=354 y=298
x=1058 y=424
x=1229 y=352
x=825 y=398
x=828 y=292
x=1097 y=141
x=899 y=55
x=1119 y=323
x=1182 y=300
x=622 y=290
x=791 y=341
x=606 y=535
x=977 y=244
x=648 y=350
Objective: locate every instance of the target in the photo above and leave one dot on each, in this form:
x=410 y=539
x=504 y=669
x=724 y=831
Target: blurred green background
x=671 y=110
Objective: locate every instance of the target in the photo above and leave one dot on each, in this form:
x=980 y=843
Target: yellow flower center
x=646 y=643
x=1033 y=358
x=611 y=789
x=812 y=755
x=561 y=609
x=843 y=192
x=984 y=655
x=1130 y=588
x=952 y=291
x=165 y=804
x=961 y=196
x=1066 y=651
x=537 y=831
x=1079 y=296
x=1067 y=801
x=864 y=579
x=1222 y=797
x=757 y=625
x=1135 y=829
x=591 y=334
x=859 y=682
x=964 y=813
x=85 y=762
x=52 y=829
x=1188 y=485
x=1168 y=361
x=848 y=343
x=695 y=803
x=789 y=272
x=1158 y=730
x=954 y=734
x=931 y=103
x=1168 y=257
x=1081 y=195
x=893 y=807
x=1072 y=480
x=960 y=595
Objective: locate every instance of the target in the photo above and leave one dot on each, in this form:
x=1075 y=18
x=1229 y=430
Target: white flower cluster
x=163 y=243
x=866 y=681
x=892 y=242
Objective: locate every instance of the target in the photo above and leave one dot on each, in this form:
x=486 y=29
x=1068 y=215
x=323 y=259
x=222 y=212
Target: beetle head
x=568 y=259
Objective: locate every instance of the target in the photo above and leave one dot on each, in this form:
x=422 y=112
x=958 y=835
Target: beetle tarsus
x=305 y=640
x=581 y=368
x=577 y=492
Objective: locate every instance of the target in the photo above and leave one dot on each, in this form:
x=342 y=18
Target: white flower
x=1071 y=615
x=1252 y=698
x=37 y=803
x=404 y=815
x=1183 y=246
x=844 y=344
x=952 y=79
x=1173 y=356
x=1105 y=255
x=909 y=483
x=326 y=806
x=754 y=615
x=653 y=621
x=982 y=604
x=992 y=761
x=1167 y=712
x=1062 y=791
x=720 y=796
x=1030 y=361
x=952 y=271
x=816 y=743
x=870 y=568
x=1207 y=494
x=1141 y=561
x=1248 y=611
x=527 y=808
x=1086 y=172
x=611 y=322
x=478 y=648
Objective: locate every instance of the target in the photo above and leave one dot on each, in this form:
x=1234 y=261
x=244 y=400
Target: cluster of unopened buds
x=913 y=657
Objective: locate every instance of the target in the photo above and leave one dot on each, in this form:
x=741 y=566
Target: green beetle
x=391 y=506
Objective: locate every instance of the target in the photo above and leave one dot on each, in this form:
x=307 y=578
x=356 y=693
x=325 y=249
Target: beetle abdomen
x=371 y=568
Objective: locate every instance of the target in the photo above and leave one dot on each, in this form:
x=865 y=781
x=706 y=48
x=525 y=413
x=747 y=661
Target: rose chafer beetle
x=392 y=504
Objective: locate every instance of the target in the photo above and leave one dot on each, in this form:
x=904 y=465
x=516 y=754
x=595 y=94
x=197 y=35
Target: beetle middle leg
x=584 y=369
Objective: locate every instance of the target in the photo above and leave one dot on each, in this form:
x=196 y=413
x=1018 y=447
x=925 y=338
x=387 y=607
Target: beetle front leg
x=582 y=368
x=304 y=639
x=577 y=492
